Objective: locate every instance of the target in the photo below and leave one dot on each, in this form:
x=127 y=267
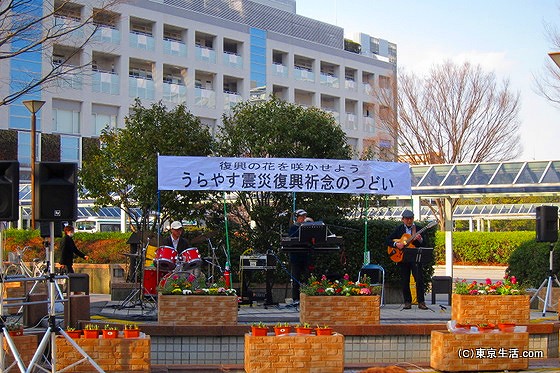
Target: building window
x=100 y=121
x=69 y=149
x=66 y=121
x=24 y=149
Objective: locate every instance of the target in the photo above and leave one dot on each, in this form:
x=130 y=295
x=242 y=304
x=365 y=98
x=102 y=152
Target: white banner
x=283 y=175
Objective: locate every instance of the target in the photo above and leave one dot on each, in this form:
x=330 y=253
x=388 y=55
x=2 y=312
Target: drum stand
x=137 y=295
x=214 y=263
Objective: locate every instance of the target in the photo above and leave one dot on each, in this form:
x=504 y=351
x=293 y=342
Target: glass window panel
x=24 y=149
x=417 y=172
x=436 y=175
x=551 y=175
x=531 y=173
x=69 y=149
x=482 y=174
x=458 y=175
x=506 y=173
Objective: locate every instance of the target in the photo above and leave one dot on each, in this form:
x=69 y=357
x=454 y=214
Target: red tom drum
x=165 y=258
x=190 y=258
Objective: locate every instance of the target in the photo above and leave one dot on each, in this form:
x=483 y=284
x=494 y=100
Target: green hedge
x=486 y=248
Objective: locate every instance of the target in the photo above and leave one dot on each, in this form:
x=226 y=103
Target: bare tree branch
x=454 y=114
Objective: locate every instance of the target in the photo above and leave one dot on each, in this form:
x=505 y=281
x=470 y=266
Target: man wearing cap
x=299 y=261
x=406 y=269
x=175 y=240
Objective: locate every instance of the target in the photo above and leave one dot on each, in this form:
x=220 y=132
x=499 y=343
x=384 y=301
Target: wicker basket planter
x=197 y=309
x=478 y=309
x=339 y=310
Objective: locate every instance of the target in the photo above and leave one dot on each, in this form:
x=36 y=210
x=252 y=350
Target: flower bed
x=487 y=302
x=325 y=287
x=337 y=303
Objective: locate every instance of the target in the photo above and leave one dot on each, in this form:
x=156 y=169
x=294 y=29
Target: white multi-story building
x=209 y=54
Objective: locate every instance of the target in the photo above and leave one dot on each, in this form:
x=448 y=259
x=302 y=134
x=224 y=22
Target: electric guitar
x=397 y=254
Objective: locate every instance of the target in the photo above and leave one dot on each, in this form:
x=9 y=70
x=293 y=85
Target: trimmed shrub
x=530 y=263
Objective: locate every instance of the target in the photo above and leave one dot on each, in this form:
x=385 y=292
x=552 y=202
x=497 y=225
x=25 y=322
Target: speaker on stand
x=9 y=190
x=547 y=231
x=56 y=193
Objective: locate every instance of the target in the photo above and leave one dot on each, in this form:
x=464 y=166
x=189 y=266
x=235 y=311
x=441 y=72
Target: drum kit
x=167 y=262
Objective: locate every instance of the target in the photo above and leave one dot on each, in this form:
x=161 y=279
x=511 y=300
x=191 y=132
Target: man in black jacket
x=409 y=229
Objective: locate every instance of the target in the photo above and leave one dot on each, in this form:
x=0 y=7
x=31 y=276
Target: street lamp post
x=555 y=56
x=33 y=106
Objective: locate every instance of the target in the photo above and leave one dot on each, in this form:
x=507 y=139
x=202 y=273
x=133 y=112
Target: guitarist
x=408 y=228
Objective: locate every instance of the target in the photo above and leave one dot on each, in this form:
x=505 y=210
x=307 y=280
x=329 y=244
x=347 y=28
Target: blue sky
x=504 y=37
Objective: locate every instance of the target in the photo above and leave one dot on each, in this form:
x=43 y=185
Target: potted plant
x=486 y=328
x=131 y=331
x=91 y=331
x=73 y=332
x=323 y=330
x=110 y=332
x=259 y=329
x=506 y=327
x=14 y=329
x=304 y=328
x=282 y=328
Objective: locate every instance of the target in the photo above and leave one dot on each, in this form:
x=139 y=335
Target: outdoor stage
x=402 y=337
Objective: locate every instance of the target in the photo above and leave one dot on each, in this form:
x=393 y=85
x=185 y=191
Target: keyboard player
x=299 y=261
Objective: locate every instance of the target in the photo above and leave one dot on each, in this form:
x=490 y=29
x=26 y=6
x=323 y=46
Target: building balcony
x=231 y=99
x=69 y=80
x=279 y=70
x=105 y=82
x=368 y=124
x=205 y=54
x=65 y=24
x=105 y=34
x=335 y=114
x=350 y=85
x=141 y=88
x=329 y=80
x=176 y=93
x=174 y=48
x=233 y=60
x=141 y=41
x=304 y=75
x=205 y=98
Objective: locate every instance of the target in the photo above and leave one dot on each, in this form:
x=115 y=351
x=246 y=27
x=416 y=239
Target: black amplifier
x=257 y=261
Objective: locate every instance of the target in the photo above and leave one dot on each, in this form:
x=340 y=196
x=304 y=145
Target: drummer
x=175 y=239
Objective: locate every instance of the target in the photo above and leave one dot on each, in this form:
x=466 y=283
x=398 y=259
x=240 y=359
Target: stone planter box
x=112 y=355
x=26 y=346
x=454 y=352
x=197 y=309
x=339 y=310
x=294 y=353
x=479 y=309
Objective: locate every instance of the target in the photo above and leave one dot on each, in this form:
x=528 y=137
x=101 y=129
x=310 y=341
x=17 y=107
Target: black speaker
x=547 y=223
x=9 y=190
x=56 y=194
